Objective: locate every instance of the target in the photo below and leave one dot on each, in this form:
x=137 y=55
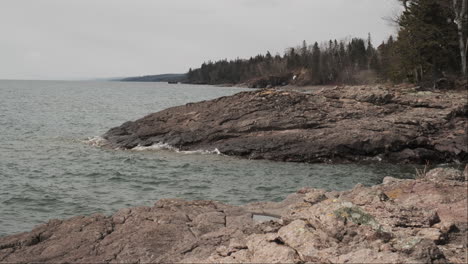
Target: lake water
x=47 y=169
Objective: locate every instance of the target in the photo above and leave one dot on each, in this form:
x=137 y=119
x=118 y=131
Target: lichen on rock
x=357 y=216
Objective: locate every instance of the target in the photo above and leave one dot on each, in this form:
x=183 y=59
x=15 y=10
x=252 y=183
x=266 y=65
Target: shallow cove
x=47 y=171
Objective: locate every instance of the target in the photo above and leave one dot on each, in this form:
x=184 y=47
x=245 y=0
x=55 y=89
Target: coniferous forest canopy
x=431 y=43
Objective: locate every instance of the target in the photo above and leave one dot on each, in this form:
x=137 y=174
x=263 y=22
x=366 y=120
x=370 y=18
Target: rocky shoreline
x=399 y=221
x=316 y=124
x=424 y=220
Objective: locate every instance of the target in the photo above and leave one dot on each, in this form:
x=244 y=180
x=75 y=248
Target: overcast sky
x=75 y=39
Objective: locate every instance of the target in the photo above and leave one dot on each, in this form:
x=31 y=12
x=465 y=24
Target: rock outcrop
x=399 y=221
x=318 y=124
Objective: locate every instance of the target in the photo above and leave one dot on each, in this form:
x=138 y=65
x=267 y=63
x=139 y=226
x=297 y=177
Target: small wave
x=165 y=146
x=96 y=141
x=203 y=152
x=102 y=142
x=158 y=146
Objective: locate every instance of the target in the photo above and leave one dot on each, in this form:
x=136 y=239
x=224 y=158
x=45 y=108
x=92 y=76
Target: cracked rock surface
x=317 y=124
x=399 y=221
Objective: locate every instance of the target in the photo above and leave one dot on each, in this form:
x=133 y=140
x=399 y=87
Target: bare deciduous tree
x=459 y=8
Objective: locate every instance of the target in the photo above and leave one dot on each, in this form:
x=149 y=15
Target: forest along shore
x=399 y=221
x=402 y=124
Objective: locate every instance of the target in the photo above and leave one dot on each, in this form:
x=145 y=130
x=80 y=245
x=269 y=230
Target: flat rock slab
x=400 y=221
x=322 y=124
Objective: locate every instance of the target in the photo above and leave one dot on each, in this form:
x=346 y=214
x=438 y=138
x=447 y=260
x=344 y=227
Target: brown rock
x=432 y=234
x=268 y=249
x=339 y=124
x=315 y=196
x=302 y=237
x=354 y=226
x=441 y=174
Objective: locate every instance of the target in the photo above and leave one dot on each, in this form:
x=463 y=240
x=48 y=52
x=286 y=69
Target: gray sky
x=74 y=39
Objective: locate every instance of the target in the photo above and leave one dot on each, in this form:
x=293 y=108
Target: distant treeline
x=316 y=64
x=431 y=44
x=157 y=78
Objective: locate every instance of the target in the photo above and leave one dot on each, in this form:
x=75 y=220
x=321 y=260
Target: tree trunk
x=460 y=13
x=421 y=72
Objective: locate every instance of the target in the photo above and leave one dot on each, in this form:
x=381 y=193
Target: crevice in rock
x=109 y=232
x=9 y=245
x=192 y=248
x=191 y=232
x=278 y=241
x=116 y=255
x=8 y=254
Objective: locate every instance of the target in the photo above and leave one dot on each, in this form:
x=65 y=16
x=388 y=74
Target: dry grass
x=421 y=173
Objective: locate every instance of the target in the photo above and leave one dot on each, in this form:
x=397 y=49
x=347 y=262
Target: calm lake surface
x=48 y=170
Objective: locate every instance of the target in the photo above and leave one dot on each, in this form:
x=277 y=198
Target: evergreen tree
x=315 y=63
x=427 y=43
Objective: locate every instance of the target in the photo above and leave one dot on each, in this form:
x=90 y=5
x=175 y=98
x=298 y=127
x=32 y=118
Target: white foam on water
x=200 y=151
x=96 y=141
x=101 y=142
x=165 y=146
x=157 y=146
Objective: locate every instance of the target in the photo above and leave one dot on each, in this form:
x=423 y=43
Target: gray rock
x=340 y=124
